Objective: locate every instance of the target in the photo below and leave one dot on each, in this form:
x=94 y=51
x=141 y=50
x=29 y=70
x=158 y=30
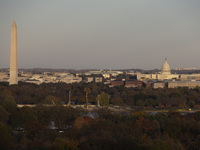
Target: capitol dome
x=165 y=68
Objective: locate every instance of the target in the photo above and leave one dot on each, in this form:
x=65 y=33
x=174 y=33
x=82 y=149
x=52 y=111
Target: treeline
x=64 y=128
x=58 y=93
x=59 y=128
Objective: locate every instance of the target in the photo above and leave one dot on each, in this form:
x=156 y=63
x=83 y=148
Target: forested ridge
x=58 y=127
x=26 y=93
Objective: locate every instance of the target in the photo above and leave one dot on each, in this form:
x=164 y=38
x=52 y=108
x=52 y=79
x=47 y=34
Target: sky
x=101 y=34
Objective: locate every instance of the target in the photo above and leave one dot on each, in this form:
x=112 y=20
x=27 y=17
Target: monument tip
x=14 y=23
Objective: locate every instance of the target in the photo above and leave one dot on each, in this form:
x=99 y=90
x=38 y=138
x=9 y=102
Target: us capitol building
x=166 y=79
x=165 y=74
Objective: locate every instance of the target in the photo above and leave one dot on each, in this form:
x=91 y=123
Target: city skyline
x=91 y=34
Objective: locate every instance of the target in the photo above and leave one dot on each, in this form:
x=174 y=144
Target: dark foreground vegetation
x=59 y=128
x=63 y=128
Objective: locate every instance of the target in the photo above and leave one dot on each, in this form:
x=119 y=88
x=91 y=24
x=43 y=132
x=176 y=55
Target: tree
x=116 y=98
x=103 y=99
x=64 y=143
x=87 y=91
x=33 y=129
x=50 y=99
x=4 y=115
x=43 y=114
x=22 y=116
x=9 y=103
x=5 y=137
x=62 y=116
x=69 y=103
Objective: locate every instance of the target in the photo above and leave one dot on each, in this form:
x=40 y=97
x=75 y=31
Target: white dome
x=165 y=68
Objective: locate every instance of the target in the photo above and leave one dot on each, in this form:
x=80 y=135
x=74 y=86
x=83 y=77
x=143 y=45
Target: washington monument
x=13 y=55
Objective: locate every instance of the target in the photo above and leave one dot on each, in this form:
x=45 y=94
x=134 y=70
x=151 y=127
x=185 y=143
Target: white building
x=70 y=79
x=4 y=77
x=105 y=74
x=164 y=75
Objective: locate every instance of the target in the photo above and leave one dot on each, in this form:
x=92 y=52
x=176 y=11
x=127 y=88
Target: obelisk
x=13 y=55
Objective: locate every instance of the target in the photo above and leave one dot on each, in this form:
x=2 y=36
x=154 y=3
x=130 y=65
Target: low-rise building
x=105 y=73
x=89 y=79
x=70 y=79
x=33 y=81
x=127 y=84
x=189 y=84
x=158 y=85
x=98 y=79
x=133 y=84
x=95 y=79
x=4 y=77
x=117 y=83
x=189 y=77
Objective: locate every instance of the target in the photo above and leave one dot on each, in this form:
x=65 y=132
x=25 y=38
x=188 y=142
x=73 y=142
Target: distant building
x=89 y=79
x=33 y=81
x=70 y=79
x=185 y=69
x=127 y=84
x=117 y=83
x=4 y=77
x=189 y=84
x=133 y=84
x=98 y=79
x=104 y=73
x=158 y=85
x=164 y=75
x=189 y=77
x=95 y=79
x=51 y=78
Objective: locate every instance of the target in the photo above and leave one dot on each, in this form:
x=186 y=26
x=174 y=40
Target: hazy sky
x=102 y=34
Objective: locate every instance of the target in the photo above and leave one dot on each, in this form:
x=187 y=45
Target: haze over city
x=102 y=34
